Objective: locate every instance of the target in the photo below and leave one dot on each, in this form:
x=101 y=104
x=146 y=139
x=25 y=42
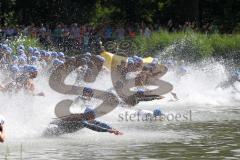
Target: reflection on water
x=217 y=140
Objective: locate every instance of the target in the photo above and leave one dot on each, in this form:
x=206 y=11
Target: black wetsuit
x=135 y=99
x=64 y=127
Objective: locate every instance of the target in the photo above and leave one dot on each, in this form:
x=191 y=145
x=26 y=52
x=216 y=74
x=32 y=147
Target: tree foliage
x=225 y=14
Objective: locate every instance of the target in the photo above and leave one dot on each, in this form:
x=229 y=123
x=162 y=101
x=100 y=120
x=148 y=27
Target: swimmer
x=74 y=123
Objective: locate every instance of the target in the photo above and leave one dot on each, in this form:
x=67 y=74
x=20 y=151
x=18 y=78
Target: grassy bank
x=190 y=44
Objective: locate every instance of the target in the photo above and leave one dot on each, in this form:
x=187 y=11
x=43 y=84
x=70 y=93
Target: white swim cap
x=2 y=120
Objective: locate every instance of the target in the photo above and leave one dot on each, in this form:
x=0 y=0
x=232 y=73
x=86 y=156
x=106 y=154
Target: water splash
x=28 y=116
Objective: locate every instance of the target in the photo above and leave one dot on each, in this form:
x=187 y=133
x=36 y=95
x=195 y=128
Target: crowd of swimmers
x=21 y=66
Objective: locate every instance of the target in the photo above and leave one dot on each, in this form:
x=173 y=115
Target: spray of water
x=28 y=116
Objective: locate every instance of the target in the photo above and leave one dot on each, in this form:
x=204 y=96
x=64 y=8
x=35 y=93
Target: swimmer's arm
x=94 y=127
x=2 y=134
x=98 y=128
x=149 y=98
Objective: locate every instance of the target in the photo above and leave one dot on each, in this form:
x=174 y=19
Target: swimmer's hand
x=114 y=131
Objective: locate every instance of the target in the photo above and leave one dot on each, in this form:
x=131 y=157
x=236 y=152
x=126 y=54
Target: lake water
x=209 y=137
x=213 y=132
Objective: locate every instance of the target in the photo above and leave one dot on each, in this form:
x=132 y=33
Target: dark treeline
x=223 y=13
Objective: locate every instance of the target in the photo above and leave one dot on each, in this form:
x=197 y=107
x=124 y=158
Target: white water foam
x=28 y=116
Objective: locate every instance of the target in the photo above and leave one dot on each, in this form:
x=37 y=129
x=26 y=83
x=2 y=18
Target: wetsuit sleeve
x=104 y=125
x=96 y=126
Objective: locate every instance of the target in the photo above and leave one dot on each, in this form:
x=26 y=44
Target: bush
x=189 y=45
